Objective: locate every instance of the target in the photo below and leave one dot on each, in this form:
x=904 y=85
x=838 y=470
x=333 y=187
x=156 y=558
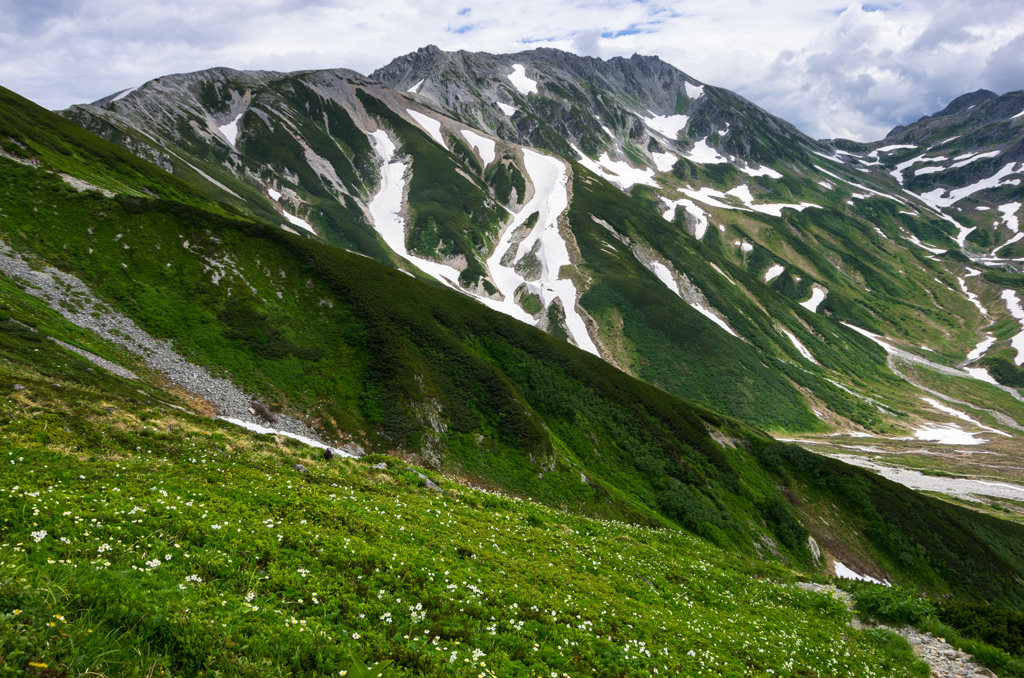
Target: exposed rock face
x=582 y=99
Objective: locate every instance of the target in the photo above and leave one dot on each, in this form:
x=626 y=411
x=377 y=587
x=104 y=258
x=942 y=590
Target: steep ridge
x=706 y=242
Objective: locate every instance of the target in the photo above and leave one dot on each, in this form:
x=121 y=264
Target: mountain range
x=601 y=285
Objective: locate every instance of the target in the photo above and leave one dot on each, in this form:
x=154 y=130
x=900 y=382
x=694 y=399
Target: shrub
x=890 y=603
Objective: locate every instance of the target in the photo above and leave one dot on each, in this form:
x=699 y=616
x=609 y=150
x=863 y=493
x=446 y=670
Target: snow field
x=506 y=109
x=694 y=91
x=274 y=195
x=483 y=146
x=550 y=199
x=519 y=80
x=415 y=89
x=429 y=125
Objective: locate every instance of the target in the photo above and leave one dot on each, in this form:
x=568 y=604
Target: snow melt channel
x=549 y=200
x=386 y=212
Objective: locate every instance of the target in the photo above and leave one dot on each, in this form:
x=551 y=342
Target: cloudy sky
x=830 y=67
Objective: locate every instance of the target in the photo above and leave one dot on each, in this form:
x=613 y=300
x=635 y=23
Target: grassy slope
x=137 y=540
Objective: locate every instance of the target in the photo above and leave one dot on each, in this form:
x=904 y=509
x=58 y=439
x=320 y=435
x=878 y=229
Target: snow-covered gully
x=549 y=200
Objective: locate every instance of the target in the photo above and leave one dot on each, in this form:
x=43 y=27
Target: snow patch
x=889 y=149
x=949 y=434
x=669 y=125
x=550 y=199
x=694 y=91
x=230 y=130
x=296 y=221
x=901 y=167
x=519 y=80
x=665 y=276
x=277 y=432
x=799 y=346
x=974 y=300
x=430 y=125
x=617 y=171
x=506 y=109
x=709 y=196
x=843 y=572
x=1009 y=212
x=415 y=89
x=982 y=374
x=817 y=296
x=704 y=154
x=128 y=91
x=960 y=415
x=691 y=208
x=713 y=318
x=274 y=195
x=773 y=272
x=484 y=146
x=761 y=172
x=1013 y=305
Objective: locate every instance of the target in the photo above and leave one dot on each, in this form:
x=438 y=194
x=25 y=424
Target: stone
x=329 y=454
x=300 y=468
x=19 y=387
x=431 y=485
x=353 y=449
x=381 y=466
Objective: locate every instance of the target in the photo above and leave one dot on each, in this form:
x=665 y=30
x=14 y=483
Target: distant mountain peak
x=963 y=103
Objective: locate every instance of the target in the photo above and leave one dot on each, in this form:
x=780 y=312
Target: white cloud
x=831 y=68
